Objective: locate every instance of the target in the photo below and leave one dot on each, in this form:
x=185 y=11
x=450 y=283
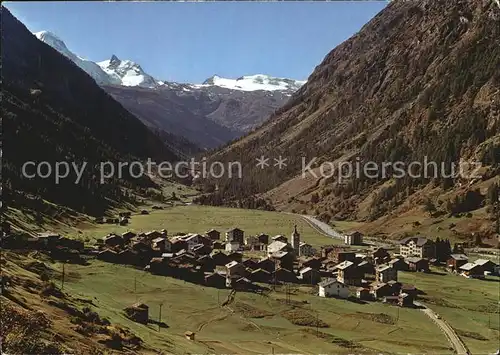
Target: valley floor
x=264 y=323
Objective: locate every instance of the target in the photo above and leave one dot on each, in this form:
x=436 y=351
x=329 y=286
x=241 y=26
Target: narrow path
x=453 y=338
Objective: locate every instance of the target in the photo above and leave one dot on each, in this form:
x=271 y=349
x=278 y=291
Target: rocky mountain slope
x=54 y=112
x=420 y=80
x=208 y=114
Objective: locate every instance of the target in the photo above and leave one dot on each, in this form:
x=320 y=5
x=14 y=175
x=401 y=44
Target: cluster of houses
x=208 y=259
x=55 y=245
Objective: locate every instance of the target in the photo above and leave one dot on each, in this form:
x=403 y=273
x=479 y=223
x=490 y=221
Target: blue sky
x=189 y=42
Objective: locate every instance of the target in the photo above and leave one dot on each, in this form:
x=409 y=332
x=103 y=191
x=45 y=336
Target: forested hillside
x=52 y=111
x=420 y=80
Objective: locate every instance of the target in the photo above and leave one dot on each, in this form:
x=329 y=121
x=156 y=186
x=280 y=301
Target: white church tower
x=296 y=240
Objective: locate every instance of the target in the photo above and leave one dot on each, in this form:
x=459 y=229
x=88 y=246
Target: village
x=260 y=262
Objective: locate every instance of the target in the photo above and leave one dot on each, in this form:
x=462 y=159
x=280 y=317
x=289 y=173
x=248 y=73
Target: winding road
x=321 y=227
x=450 y=333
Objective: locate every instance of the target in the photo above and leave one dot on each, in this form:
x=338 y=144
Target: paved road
x=321 y=227
x=450 y=333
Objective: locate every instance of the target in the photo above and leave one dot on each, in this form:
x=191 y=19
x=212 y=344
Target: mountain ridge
x=419 y=80
x=117 y=69
x=209 y=114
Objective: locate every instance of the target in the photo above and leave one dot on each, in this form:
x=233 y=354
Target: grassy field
x=470 y=306
x=198 y=219
x=352 y=327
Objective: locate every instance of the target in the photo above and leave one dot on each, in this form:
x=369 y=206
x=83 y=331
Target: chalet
x=127 y=256
x=391 y=299
x=284 y=259
x=48 y=239
x=406 y=300
x=259 y=247
x=220 y=258
x=333 y=288
x=161 y=244
x=263 y=238
x=348 y=273
x=201 y=249
x=144 y=212
x=381 y=256
x=251 y=264
x=417 y=264
x=178 y=245
x=455 y=261
x=267 y=264
x=409 y=289
x=365 y=267
x=235 y=268
x=251 y=240
x=309 y=276
x=232 y=246
x=123 y=221
x=313 y=263
x=471 y=270
x=243 y=284
x=306 y=249
x=192 y=240
x=218 y=245
x=158 y=266
x=213 y=234
x=149 y=236
x=398 y=264
x=235 y=256
x=127 y=236
x=327 y=251
x=284 y=275
x=346 y=256
x=354 y=238
x=395 y=287
x=113 y=240
x=385 y=273
x=140 y=246
x=70 y=243
x=417 y=246
x=280 y=238
x=235 y=235
x=277 y=246
x=380 y=290
x=363 y=293
x=215 y=280
x=260 y=275
x=138 y=312
x=107 y=255
x=487 y=265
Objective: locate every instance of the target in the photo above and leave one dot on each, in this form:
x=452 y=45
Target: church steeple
x=296 y=240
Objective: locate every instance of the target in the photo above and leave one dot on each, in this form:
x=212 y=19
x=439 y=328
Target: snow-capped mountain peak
x=88 y=66
x=52 y=40
x=254 y=83
x=127 y=72
x=116 y=71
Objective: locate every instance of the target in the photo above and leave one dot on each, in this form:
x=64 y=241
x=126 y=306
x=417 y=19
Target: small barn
x=138 y=312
